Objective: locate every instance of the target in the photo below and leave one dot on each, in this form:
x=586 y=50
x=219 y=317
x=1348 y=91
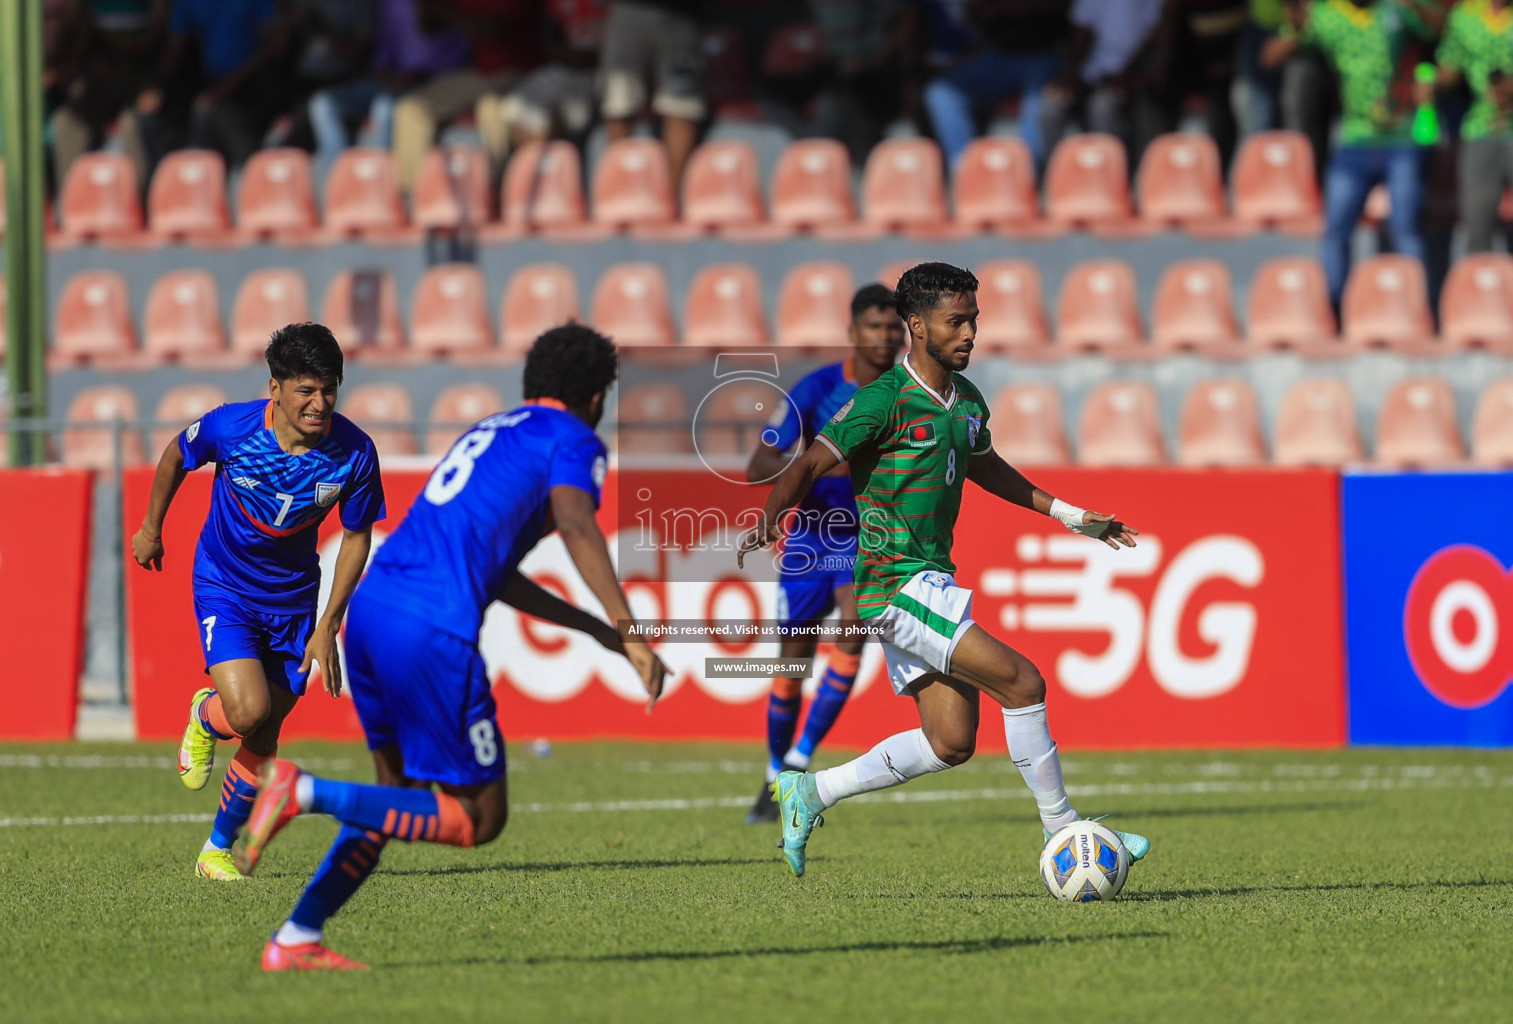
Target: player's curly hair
x=305 y=350
x=572 y=364
x=871 y=296
x=921 y=288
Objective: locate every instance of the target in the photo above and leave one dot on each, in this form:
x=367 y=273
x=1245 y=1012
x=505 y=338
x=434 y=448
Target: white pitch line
x=151 y=762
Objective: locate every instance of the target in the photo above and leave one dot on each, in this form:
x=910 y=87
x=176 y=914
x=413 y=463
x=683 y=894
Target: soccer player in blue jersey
x=418 y=678
x=281 y=465
x=816 y=570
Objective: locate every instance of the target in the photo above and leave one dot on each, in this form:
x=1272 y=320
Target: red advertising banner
x=44 y=558
x=1223 y=628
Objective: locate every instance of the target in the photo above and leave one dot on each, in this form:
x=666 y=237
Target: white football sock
x=210 y=844
x=292 y=934
x=793 y=759
x=304 y=790
x=892 y=762
x=1034 y=754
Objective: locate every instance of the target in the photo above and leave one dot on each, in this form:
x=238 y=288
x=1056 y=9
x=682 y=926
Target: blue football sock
x=782 y=723
x=823 y=711
x=352 y=859
x=238 y=793
x=389 y=810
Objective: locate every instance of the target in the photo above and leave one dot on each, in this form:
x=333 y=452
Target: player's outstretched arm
x=573 y=509
x=523 y=593
x=147 y=542
x=989 y=471
x=790 y=489
x=351 y=560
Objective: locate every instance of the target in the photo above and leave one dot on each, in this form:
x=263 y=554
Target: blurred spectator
x=1020 y=53
x=1365 y=42
x=1110 y=74
x=1478 y=48
x=1298 y=96
x=107 y=51
x=865 y=41
x=1202 y=41
x=405 y=54
x=1260 y=86
x=233 y=51
x=556 y=100
x=655 y=39
x=505 y=35
x=333 y=46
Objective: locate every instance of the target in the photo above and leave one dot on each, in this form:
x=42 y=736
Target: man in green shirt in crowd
x=1478 y=48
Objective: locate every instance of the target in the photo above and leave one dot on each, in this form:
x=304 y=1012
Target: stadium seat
x=449 y=311
x=722 y=187
x=276 y=197
x=93 y=322
x=182 y=320
x=725 y=307
x=994 y=188
x=653 y=419
x=811 y=186
x=1289 y=306
x=1097 y=307
x=814 y=305
x=452 y=189
x=891 y=272
x=362 y=196
x=1026 y=426
x=267 y=300
x=632 y=185
x=1492 y=429
x=1416 y=427
x=1087 y=182
x=1316 y=426
x=543 y=189
x=94 y=447
x=362 y=310
x=387 y=415
x=101 y=200
x=1121 y=426
x=179 y=407
x=1274 y=183
x=903 y=187
x=733 y=418
x=537 y=298
x=187 y=199
x=457 y=408
x=1220 y=426
x=1386 y=304
x=1181 y=183
x=1194 y=308
x=1476 y=306
x=630 y=305
x=1011 y=308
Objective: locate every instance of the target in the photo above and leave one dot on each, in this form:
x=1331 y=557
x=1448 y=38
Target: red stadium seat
x=1416 y=426
x=456 y=409
x=386 y=413
x=633 y=185
x=93 y=322
x=537 y=298
x=811 y=186
x=187 y=200
x=1097 y=308
x=1011 y=308
x=814 y=306
x=994 y=186
x=725 y=307
x=1492 y=429
x=733 y=418
x=452 y=189
x=891 y=272
x=179 y=407
x=722 y=188
x=1121 y=426
x=543 y=189
x=362 y=310
x=1386 y=304
x=1220 y=426
x=276 y=198
x=1180 y=181
x=94 y=447
x=903 y=186
x=653 y=419
x=1476 y=307
x=1316 y=426
x=267 y=300
x=362 y=196
x=449 y=311
x=1289 y=306
x=1027 y=428
x=630 y=305
x=1194 y=308
x=101 y=200
x=183 y=318
x=1087 y=182
x=1274 y=183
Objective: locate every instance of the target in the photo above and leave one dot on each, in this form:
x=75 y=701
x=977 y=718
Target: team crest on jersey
x=325 y=494
x=974 y=427
x=193 y=431
x=840 y=413
x=920 y=435
x=600 y=468
x=244 y=481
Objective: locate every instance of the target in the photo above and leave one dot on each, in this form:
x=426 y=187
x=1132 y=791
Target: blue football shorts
x=230 y=631
x=809 y=573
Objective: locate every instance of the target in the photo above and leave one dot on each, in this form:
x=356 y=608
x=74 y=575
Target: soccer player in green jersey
x=913 y=437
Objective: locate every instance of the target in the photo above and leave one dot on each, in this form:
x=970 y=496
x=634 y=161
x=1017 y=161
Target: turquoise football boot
x=799 y=809
x=1136 y=844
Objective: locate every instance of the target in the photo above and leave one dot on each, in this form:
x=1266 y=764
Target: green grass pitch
x=1283 y=886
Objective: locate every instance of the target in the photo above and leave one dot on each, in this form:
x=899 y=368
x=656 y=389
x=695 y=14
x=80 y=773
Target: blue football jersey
x=482 y=510
x=815 y=399
x=259 y=541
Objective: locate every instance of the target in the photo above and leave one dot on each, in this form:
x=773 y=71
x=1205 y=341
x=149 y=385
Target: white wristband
x=1073 y=518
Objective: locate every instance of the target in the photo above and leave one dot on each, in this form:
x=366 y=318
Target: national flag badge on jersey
x=921 y=434
x=325 y=494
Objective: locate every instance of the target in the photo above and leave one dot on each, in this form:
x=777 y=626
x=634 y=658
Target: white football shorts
x=922 y=625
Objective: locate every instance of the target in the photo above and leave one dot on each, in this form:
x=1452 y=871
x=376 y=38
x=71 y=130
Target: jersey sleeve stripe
x=831 y=445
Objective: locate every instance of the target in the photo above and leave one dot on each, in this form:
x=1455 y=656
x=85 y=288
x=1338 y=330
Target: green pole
x=25 y=252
